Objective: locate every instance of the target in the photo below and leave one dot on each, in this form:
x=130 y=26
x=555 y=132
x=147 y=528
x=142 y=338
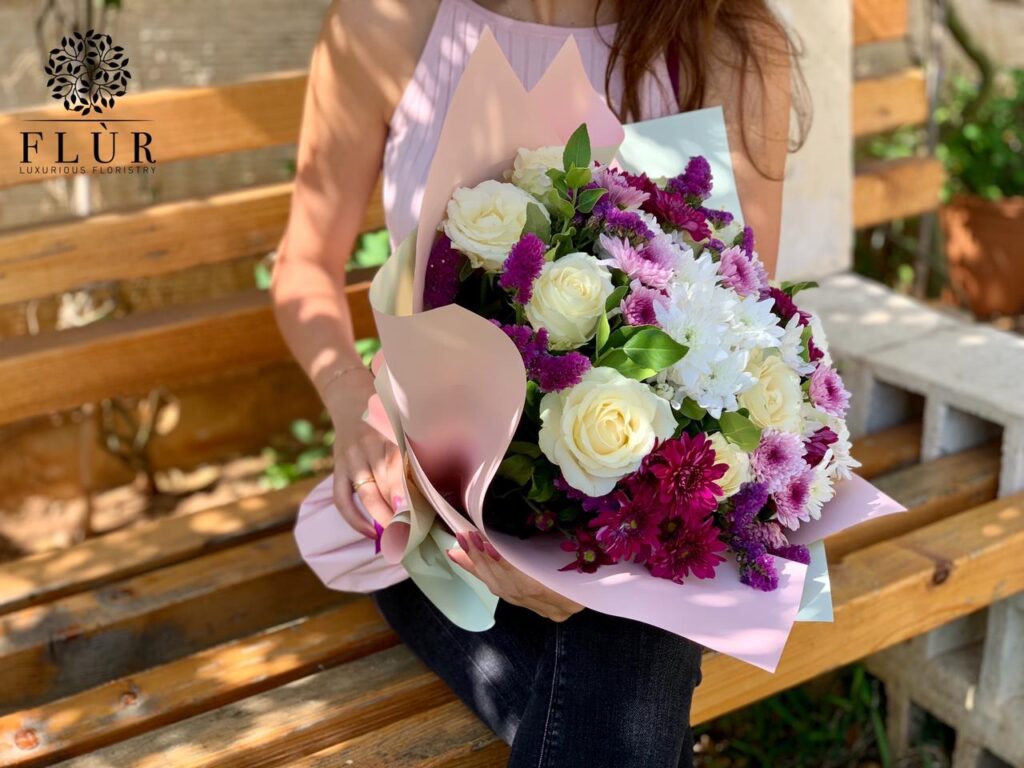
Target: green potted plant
x=982 y=147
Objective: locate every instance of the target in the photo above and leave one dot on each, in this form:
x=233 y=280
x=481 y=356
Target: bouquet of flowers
x=678 y=406
x=591 y=366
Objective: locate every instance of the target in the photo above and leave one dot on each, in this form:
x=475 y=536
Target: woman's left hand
x=479 y=557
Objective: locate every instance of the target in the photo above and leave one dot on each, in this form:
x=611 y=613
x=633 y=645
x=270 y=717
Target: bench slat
x=119 y=709
x=930 y=492
x=883 y=595
x=61 y=370
x=889 y=449
x=63 y=647
x=876 y=21
x=165 y=238
x=149 y=545
x=895 y=190
x=185 y=122
x=883 y=103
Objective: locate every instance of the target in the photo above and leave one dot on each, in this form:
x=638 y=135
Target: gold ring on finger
x=361 y=483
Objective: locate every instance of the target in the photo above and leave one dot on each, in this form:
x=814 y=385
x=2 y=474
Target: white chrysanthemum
x=696 y=320
x=791 y=347
x=726 y=377
x=695 y=270
x=842 y=462
x=821 y=489
x=753 y=324
x=820 y=341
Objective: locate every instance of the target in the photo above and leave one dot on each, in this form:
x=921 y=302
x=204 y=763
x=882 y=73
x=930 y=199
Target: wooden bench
x=203 y=640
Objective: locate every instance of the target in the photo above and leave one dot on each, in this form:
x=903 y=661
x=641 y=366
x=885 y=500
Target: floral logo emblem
x=88 y=72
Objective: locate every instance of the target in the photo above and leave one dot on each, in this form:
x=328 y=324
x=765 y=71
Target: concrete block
x=950 y=430
x=1011 y=471
x=1002 y=664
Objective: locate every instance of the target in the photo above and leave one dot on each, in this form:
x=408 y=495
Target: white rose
x=530 y=168
x=600 y=430
x=568 y=299
x=486 y=221
x=775 y=400
x=736 y=459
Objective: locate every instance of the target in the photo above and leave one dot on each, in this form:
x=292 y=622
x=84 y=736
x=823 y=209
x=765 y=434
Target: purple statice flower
x=648 y=265
x=791 y=500
x=589 y=556
x=717 y=218
x=760 y=573
x=715 y=244
x=686 y=547
x=747 y=502
x=627 y=225
x=522 y=266
x=827 y=391
x=778 y=457
x=796 y=552
x=557 y=372
x=685 y=474
x=589 y=503
x=621 y=193
x=694 y=183
x=745 y=275
x=551 y=372
x=441 y=281
x=675 y=213
x=770 y=534
x=638 y=307
x=626 y=530
x=784 y=307
x=747 y=241
x=818 y=444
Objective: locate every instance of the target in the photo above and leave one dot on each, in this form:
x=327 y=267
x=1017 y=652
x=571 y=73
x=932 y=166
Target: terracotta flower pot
x=985 y=252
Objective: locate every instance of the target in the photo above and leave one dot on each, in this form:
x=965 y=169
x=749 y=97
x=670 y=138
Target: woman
x=564 y=685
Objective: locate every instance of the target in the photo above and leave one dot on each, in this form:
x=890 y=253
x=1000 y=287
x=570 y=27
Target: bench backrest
x=60 y=370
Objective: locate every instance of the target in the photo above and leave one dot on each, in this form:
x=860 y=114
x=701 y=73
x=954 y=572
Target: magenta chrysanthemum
x=745 y=275
x=676 y=213
x=784 y=307
x=778 y=456
x=638 y=307
x=686 y=475
x=818 y=444
x=686 y=547
x=522 y=266
x=827 y=391
x=588 y=553
x=791 y=500
x=648 y=265
x=627 y=530
x=441 y=281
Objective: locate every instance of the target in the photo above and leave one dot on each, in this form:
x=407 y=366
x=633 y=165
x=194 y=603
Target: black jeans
x=595 y=691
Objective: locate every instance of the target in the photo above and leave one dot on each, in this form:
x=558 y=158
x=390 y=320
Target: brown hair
x=689 y=34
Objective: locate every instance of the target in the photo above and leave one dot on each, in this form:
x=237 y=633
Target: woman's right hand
x=362 y=456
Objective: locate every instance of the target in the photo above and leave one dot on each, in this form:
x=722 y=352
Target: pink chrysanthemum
x=778 y=456
x=589 y=554
x=620 y=193
x=686 y=547
x=686 y=475
x=649 y=265
x=791 y=500
x=745 y=275
x=638 y=307
x=827 y=391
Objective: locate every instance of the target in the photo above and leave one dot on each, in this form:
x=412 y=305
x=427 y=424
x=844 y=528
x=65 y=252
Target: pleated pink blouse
x=529 y=47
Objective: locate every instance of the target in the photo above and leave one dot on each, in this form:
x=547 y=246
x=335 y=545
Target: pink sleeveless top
x=529 y=47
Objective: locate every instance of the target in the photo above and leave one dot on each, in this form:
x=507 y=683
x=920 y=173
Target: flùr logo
x=88 y=72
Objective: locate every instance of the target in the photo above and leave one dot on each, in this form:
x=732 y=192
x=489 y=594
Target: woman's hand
x=479 y=557
x=363 y=459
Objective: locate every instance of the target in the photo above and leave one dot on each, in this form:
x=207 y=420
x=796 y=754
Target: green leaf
x=618 y=360
x=542 y=485
x=615 y=298
x=517 y=468
x=559 y=205
x=691 y=410
x=537 y=222
x=303 y=431
x=740 y=431
x=793 y=288
x=577 y=177
x=588 y=199
x=525 y=448
x=653 y=348
x=603 y=331
x=466 y=271
x=557 y=177
x=577 y=149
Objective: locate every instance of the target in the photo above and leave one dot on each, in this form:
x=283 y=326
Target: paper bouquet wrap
x=451 y=386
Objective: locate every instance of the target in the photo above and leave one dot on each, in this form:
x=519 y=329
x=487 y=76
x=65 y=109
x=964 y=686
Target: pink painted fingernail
x=461 y=538
x=489 y=548
x=398 y=502
x=451 y=556
x=477 y=540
